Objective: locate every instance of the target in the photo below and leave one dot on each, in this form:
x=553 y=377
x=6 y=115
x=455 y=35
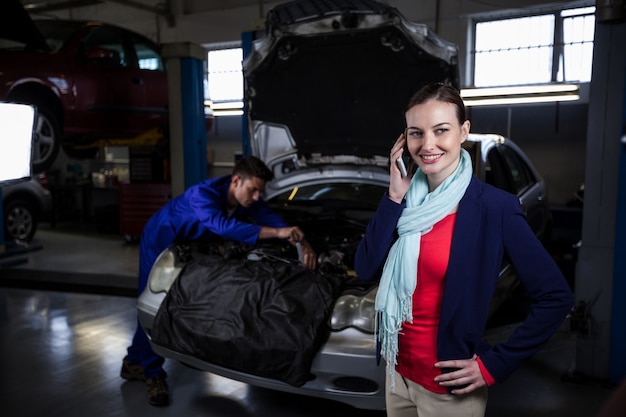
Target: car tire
x=20 y=220
x=47 y=138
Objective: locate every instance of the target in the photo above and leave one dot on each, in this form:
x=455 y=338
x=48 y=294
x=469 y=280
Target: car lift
x=152 y=137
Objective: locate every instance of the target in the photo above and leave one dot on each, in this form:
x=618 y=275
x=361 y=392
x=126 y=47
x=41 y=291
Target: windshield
x=366 y=194
x=56 y=33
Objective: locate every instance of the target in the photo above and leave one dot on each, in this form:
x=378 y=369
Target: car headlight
x=354 y=310
x=163 y=272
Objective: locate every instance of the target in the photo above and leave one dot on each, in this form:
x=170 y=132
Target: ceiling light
x=520 y=94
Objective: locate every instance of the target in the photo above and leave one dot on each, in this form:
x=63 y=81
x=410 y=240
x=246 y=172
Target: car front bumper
x=345 y=369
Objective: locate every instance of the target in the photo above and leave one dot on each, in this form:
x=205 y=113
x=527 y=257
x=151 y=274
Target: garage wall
x=224 y=144
x=553 y=135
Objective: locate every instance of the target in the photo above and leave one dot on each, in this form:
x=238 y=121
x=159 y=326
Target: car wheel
x=20 y=220
x=47 y=138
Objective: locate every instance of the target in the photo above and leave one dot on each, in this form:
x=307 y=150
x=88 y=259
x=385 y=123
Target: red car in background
x=89 y=80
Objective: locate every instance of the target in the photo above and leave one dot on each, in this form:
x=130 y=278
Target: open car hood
x=17 y=26
x=327 y=83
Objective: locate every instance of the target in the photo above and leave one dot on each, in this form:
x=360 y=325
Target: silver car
x=24 y=204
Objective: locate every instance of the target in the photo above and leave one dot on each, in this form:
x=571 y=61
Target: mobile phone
x=402 y=162
x=402 y=165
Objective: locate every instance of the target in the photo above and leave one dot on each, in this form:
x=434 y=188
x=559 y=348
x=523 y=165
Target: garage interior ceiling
x=157 y=6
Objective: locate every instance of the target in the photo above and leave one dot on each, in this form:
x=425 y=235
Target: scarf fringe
x=392 y=326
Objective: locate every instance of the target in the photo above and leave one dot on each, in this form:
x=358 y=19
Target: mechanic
x=230 y=207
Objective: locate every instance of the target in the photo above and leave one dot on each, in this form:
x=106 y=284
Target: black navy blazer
x=489 y=225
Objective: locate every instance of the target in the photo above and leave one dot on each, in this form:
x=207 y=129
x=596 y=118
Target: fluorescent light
x=227 y=105
x=226 y=108
x=217 y=113
x=522 y=89
x=520 y=94
x=519 y=100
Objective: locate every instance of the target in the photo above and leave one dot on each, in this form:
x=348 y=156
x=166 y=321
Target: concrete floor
x=67 y=313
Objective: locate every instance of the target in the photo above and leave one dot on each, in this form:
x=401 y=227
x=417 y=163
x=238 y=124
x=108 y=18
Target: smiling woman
x=435 y=290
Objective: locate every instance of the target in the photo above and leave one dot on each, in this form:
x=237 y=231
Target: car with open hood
x=326 y=86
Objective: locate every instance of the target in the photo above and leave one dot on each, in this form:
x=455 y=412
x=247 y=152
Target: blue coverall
x=200 y=212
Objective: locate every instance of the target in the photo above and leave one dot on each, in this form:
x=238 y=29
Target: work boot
x=132 y=371
x=158 y=394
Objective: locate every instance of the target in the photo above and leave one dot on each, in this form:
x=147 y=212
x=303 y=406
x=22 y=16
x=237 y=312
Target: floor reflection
x=60 y=355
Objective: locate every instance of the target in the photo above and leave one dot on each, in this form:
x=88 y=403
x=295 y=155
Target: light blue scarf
x=423 y=210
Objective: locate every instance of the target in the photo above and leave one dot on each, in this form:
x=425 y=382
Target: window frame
x=558 y=44
x=217 y=47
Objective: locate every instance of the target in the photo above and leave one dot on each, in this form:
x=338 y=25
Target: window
x=520 y=174
x=56 y=33
x=110 y=40
x=578 y=31
x=225 y=75
x=506 y=170
x=148 y=56
x=555 y=46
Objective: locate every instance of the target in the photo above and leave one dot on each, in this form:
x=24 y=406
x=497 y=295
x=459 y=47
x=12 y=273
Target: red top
x=417 y=349
x=417 y=342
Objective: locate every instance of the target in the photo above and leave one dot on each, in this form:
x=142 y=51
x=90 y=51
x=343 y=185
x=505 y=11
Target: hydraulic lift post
x=185 y=69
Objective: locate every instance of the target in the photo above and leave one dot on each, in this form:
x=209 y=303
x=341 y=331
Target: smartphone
x=402 y=162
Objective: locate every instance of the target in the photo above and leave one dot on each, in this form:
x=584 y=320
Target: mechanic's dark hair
x=251 y=166
x=440 y=92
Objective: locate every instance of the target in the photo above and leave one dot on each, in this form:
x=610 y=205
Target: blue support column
x=601 y=269
x=246 y=46
x=185 y=69
x=2 y=243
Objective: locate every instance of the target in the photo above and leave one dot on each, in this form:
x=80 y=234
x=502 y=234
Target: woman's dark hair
x=251 y=166
x=440 y=92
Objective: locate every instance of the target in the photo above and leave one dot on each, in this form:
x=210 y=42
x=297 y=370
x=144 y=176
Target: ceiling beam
x=44 y=6
x=161 y=9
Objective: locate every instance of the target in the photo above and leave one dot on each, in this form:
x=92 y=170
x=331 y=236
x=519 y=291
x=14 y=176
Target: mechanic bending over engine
x=230 y=207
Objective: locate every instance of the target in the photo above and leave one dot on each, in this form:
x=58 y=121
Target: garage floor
x=67 y=313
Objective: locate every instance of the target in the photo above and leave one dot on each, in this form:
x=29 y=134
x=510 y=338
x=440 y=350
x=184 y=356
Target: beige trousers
x=413 y=400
